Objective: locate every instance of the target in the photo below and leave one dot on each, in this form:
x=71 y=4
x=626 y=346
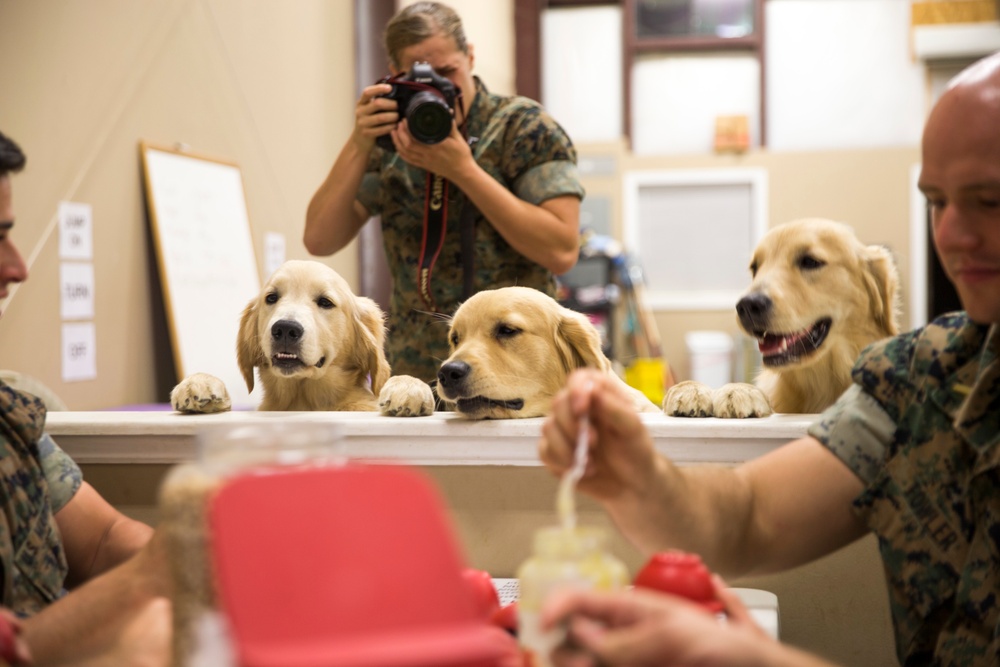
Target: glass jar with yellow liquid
x=563 y=557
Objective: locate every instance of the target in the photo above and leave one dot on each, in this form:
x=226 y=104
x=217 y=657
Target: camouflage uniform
x=523 y=148
x=38 y=479
x=921 y=427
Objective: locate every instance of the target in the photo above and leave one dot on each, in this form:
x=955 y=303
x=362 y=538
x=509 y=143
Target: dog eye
x=506 y=331
x=271 y=298
x=454 y=339
x=809 y=262
x=753 y=269
x=325 y=303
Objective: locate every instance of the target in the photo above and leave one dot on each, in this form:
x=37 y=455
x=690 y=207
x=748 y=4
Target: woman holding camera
x=495 y=202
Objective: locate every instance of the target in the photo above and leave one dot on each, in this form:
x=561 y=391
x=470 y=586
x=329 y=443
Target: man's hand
x=621 y=458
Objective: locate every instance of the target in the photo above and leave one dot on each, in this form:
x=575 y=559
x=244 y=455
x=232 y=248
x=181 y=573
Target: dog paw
x=200 y=393
x=739 y=400
x=688 y=399
x=406 y=396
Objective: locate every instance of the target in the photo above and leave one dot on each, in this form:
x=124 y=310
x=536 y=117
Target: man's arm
x=781 y=510
x=102 y=617
x=96 y=536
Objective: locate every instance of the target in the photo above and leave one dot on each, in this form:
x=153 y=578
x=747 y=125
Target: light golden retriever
x=818 y=297
x=316 y=346
x=512 y=349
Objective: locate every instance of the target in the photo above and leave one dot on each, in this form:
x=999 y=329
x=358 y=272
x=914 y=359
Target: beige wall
x=268 y=85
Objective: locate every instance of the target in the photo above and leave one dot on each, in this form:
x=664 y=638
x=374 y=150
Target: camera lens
x=428 y=118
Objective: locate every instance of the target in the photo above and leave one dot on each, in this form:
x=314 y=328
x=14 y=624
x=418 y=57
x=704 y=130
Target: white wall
x=839 y=73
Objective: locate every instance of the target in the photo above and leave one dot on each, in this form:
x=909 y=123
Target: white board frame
x=205 y=257
x=660 y=297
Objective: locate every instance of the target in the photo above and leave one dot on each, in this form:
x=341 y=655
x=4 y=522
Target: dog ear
x=881 y=280
x=249 y=353
x=579 y=343
x=369 y=324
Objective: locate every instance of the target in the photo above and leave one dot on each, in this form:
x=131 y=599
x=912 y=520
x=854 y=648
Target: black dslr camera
x=426 y=100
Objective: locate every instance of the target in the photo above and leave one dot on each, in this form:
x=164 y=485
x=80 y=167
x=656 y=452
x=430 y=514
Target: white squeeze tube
x=565 y=501
x=564 y=556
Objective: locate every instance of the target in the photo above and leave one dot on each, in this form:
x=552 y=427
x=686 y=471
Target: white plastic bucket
x=711 y=357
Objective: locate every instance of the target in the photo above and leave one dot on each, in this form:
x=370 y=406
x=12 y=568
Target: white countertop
x=443 y=438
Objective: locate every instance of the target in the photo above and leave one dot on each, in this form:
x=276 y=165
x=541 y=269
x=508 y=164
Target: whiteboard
x=205 y=256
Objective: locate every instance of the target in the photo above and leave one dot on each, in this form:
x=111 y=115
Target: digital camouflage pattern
x=523 y=148
x=932 y=495
x=38 y=480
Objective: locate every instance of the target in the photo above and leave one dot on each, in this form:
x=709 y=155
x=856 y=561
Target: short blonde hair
x=419 y=21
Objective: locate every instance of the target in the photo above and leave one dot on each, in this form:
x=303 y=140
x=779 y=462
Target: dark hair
x=419 y=21
x=11 y=156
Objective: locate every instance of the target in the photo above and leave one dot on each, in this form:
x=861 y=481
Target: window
x=684 y=28
x=693 y=232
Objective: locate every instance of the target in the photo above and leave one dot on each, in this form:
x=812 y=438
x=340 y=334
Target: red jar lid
x=682 y=574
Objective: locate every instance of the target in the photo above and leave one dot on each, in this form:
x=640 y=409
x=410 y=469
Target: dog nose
x=286 y=330
x=452 y=373
x=753 y=310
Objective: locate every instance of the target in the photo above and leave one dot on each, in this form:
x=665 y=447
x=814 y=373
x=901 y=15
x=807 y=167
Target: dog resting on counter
x=316 y=346
x=818 y=297
x=511 y=351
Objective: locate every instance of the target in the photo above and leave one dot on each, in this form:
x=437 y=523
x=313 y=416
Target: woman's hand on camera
x=374 y=115
x=448 y=158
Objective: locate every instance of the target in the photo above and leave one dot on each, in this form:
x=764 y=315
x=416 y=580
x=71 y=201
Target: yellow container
x=647 y=375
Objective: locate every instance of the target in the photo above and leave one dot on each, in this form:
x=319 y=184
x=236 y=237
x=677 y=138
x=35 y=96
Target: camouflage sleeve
x=539 y=157
x=61 y=472
x=549 y=180
x=858 y=430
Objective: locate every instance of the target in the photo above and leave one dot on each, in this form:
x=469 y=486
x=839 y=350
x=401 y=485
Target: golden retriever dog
x=315 y=346
x=817 y=298
x=512 y=349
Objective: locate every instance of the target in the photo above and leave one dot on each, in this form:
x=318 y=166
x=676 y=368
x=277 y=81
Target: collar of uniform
x=22 y=416
x=481 y=110
x=969 y=392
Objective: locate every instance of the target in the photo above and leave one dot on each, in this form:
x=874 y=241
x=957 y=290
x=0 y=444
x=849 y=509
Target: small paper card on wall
x=76 y=290
x=79 y=351
x=274 y=252
x=76 y=236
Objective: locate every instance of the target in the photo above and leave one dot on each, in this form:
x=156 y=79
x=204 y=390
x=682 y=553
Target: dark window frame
x=528 y=51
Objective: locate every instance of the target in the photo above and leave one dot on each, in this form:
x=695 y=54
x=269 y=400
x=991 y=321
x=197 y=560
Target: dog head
x=306 y=321
x=813 y=283
x=511 y=351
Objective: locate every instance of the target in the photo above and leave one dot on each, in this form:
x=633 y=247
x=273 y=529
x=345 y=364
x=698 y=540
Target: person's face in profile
x=444 y=56
x=12 y=266
x=960 y=176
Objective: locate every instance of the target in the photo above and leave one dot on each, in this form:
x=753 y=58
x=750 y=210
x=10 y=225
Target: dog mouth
x=783 y=349
x=479 y=404
x=288 y=363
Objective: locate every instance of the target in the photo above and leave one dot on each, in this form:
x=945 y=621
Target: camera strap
x=435 y=228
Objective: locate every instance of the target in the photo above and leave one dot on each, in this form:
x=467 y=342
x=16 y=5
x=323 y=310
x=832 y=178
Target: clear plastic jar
x=562 y=558
x=224 y=451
